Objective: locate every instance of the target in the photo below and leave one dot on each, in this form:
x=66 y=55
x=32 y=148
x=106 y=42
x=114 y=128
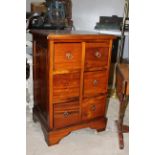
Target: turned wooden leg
x=120 y=127
x=121 y=139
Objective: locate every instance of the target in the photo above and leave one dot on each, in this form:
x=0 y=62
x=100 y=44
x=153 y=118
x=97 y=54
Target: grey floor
x=80 y=142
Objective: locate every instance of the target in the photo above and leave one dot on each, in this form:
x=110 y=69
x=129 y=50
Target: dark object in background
x=126 y=26
x=113 y=60
x=106 y=22
x=111 y=22
x=114 y=51
x=53 y=14
x=27 y=69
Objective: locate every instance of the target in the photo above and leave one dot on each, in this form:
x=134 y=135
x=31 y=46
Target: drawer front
x=96 y=57
x=66 y=87
x=67 y=56
x=95 y=83
x=66 y=114
x=93 y=107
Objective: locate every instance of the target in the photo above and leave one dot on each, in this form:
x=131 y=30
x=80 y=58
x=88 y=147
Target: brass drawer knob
x=69 y=55
x=95 y=82
x=66 y=114
x=93 y=107
x=97 y=54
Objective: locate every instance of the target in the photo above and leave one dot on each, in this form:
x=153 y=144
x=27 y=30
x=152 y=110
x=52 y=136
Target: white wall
x=86 y=12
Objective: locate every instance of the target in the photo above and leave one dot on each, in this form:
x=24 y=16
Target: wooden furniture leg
x=120 y=127
x=122 y=87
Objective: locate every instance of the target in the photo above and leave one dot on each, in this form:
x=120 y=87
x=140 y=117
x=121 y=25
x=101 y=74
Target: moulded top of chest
x=67 y=34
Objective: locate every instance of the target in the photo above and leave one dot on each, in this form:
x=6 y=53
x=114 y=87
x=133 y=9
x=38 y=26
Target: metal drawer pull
x=93 y=107
x=97 y=54
x=69 y=56
x=95 y=82
x=66 y=114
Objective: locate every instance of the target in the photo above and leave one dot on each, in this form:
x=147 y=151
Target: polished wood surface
x=55 y=136
x=67 y=56
x=66 y=114
x=82 y=76
x=40 y=76
x=73 y=36
x=96 y=56
x=71 y=72
x=93 y=107
x=66 y=86
x=95 y=83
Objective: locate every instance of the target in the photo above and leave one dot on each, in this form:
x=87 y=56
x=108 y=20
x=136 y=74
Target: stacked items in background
x=52 y=14
x=114 y=22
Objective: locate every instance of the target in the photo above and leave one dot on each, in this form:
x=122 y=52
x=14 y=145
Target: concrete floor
x=80 y=142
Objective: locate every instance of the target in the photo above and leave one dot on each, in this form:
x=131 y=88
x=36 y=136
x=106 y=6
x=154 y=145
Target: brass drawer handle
x=93 y=107
x=69 y=55
x=95 y=82
x=66 y=114
x=97 y=54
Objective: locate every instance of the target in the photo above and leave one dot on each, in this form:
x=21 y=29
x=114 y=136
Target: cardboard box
x=39 y=7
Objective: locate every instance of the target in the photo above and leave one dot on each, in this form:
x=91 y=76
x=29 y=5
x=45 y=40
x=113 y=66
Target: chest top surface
x=67 y=34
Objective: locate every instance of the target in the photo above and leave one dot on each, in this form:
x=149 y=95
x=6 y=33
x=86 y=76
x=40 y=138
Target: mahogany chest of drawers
x=70 y=72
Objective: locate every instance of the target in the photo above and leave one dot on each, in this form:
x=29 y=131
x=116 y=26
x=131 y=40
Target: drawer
x=96 y=57
x=95 y=83
x=66 y=114
x=67 y=56
x=93 y=107
x=66 y=87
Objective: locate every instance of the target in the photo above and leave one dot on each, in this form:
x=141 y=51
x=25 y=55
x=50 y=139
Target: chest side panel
x=40 y=75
